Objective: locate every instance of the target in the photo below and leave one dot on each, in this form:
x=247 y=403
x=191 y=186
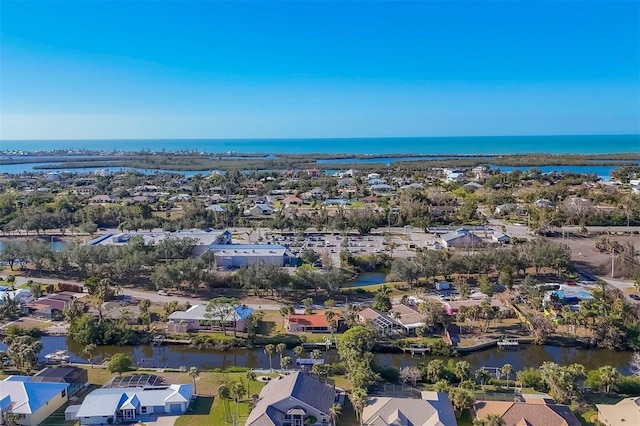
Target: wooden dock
x=416 y=349
x=158 y=341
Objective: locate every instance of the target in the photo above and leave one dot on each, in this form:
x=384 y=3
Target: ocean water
x=592 y=144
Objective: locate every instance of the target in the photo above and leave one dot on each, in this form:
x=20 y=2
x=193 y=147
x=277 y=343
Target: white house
x=112 y=405
x=31 y=402
x=197 y=318
x=296 y=399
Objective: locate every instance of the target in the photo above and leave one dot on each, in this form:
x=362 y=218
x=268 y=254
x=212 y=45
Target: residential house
x=510 y=207
x=380 y=320
x=197 y=318
x=499 y=237
x=132 y=404
x=471 y=186
x=292 y=201
x=407 y=317
x=434 y=409
x=293 y=400
x=624 y=413
x=76 y=378
x=49 y=307
x=103 y=199
x=240 y=255
x=452 y=307
x=261 y=210
x=543 y=203
x=20 y=295
x=313 y=323
x=461 y=238
x=314 y=173
x=381 y=188
x=373 y=176
x=216 y=208
x=533 y=412
x=31 y=402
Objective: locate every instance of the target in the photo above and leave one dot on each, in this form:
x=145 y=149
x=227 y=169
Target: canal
x=175 y=356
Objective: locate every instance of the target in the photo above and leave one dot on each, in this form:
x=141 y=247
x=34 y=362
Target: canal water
x=175 y=356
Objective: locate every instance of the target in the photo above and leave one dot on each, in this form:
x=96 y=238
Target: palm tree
x=224 y=393
x=251 y=376
x=285 y=362
x=506 y=370
x=493 y=419
x=608 y=376
x=88 y=352
x=298 y=351
x=359 y=400
x=334 y=413
x=270 y=350
x=482 y=375
x=461 y=399
x=285 y=311
x=280 y=348
x=194 y=373
x=315 y=354
x=35 y=288
x=237 y=391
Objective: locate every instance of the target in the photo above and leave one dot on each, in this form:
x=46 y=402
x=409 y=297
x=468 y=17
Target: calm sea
x=594 y=144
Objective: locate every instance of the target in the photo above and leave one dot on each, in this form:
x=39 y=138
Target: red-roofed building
x=314 y=323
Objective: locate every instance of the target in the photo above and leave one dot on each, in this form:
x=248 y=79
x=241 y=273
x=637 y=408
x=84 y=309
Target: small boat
x=58 y=356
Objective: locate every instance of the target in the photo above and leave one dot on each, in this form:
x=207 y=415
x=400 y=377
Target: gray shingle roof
x=300 y=387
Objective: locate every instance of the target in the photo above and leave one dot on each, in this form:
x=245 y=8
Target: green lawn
x=466 y=418
x=210 y=410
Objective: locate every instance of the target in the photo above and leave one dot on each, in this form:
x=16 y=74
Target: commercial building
x=242 y=255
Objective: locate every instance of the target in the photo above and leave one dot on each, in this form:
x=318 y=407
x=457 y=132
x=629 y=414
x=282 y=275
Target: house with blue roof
x=31 y=402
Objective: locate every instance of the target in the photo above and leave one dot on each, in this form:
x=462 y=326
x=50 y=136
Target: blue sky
x=143 y=69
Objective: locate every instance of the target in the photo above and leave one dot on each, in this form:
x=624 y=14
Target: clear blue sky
x=143 y=69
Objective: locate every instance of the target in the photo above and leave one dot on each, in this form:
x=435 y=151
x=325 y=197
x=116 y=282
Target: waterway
x=601 y=171
x=175 y=356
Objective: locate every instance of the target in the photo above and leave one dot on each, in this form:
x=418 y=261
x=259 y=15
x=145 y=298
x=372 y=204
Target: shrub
x=530 y=378
x=390 y=374
x=629 y=385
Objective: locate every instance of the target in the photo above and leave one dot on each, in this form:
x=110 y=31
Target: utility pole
x=613 y=261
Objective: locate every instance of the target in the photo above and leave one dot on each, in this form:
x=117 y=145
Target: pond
x=175 y=356
x=56 y=244
x=368 y=278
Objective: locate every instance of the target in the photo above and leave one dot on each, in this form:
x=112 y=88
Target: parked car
x=634 y=296
x=162 y=293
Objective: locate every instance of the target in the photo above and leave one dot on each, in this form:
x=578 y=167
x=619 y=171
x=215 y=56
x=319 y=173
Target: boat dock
x=159 y=340
x=416 y=349
x=508 y=344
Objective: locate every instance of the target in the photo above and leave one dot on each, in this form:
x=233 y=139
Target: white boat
x=58 y=356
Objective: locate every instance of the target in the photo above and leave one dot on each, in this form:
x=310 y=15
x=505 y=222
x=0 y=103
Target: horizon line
x=324 y=138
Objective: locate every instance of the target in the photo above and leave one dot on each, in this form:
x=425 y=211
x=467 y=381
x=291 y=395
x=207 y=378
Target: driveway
x=161 y=421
